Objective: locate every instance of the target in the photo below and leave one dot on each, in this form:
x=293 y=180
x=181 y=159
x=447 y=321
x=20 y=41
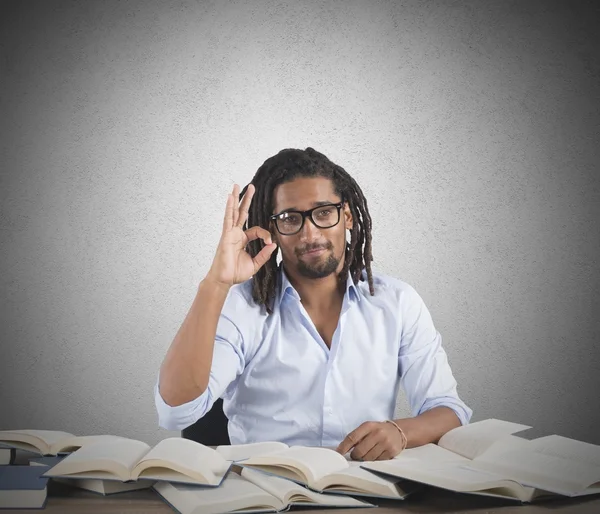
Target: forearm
x=429 y=426
x=186 y=368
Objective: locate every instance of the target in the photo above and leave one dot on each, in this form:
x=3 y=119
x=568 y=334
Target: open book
x=173 y=459
x=251 y=492
x=486 y=458
x=95 y=485
x=48 y=442
x=321 y=469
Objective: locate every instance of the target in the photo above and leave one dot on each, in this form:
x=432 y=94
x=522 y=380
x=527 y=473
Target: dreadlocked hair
x=286 y=166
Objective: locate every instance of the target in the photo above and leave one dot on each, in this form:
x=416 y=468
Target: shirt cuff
x=462 y=411
x=180 y=416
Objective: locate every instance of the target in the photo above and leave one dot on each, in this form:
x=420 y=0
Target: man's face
x=313 y=252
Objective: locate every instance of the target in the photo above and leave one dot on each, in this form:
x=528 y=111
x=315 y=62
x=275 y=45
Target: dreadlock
x=284 y=167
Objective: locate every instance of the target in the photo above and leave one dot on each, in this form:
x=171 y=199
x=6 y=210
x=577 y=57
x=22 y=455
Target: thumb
x=263 y=256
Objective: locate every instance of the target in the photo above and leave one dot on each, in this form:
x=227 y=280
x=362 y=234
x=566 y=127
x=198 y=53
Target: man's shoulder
x=386 y=287
x=384 y=283
x=241 y=301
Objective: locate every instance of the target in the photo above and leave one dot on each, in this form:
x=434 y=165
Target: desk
x=69 y=500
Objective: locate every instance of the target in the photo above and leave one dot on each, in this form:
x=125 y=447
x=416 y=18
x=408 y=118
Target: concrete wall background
x=472 y=127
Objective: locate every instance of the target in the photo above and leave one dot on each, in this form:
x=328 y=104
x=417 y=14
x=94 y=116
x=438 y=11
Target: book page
x=186 y=456
x=104 y=486
x=290 y=492
x=473 y=439
x=38 y=439
x=454 y=477
x=567 y=448
x=429 y=455
x=116 y=456
x=595 y=489
x=235 y=493
x=551 y=473
x=6 y=456
x=469 y=480
x=509 y=443
x=237 y=452
x=75 y=442
x=313 y=462
x=355 y=479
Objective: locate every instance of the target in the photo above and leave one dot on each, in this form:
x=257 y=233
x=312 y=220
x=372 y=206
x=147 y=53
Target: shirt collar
x=286 y=288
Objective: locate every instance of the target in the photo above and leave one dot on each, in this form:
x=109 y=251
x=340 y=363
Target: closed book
x=22 y=487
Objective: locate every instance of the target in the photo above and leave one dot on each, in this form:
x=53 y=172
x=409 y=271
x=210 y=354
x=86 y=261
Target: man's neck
x=321 y=294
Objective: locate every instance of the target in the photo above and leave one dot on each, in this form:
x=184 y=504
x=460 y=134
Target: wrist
x=214 y=284
x=401 y=432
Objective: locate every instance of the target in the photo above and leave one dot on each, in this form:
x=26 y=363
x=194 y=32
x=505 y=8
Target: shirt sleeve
x=228 y=363
x=425 y=373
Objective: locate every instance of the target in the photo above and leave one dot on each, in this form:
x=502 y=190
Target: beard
x=319 y=269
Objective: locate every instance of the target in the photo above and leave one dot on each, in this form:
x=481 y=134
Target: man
x=310 y=352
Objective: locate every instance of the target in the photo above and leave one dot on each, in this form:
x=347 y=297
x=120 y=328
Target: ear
x=348 y=216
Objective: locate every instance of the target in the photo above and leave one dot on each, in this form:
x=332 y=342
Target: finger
x=263 y=256
x=346 y=445
x=258 y=233
x=380 y=444
x=228 y=220
x=368 y=443
x=376 y=452
x=386 y=455
x=354 y=437
x=245 y=205
x=236 y=205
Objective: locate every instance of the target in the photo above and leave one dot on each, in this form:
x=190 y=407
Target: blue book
x=22 y=487
x=46 y=461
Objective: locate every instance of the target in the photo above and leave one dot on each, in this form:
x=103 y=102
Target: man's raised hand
x=232 y=263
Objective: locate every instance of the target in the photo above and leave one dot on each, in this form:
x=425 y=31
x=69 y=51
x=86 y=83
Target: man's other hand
x=373 y=440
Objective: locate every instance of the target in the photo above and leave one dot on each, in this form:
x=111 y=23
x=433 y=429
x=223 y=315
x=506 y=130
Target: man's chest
x=317 y=344
x=293 y=366
x=325 y=324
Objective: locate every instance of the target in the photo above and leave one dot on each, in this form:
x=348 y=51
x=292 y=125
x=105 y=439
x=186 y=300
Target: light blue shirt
x=280 y=382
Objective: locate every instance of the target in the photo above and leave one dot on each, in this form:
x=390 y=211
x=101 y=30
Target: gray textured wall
x=473 y=128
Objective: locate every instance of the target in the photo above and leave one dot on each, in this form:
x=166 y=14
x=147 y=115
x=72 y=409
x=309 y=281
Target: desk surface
x=65 y=499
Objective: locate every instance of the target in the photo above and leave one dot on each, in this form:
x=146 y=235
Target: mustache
x=309 y=248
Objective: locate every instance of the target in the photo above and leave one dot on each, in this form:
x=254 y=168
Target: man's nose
x=309 y=231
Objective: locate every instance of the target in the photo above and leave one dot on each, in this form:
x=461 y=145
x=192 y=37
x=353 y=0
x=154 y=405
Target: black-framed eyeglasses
x=289 y=223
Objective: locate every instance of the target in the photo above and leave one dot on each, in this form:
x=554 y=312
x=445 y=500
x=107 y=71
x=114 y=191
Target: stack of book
x=483 y=458
x=22 y=487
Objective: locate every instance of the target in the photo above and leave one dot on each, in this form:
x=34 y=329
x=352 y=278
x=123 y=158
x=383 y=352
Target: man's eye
x=324 y=214
x=290 y=220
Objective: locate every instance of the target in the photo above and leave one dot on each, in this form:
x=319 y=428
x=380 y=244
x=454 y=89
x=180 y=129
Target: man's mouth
x=314 y=251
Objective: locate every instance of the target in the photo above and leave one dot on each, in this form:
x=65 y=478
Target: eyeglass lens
x=323 y=217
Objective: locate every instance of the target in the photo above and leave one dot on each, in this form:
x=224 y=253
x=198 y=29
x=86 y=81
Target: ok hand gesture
x=232 y=263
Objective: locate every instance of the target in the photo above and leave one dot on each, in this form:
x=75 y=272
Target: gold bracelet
x=404 y=438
